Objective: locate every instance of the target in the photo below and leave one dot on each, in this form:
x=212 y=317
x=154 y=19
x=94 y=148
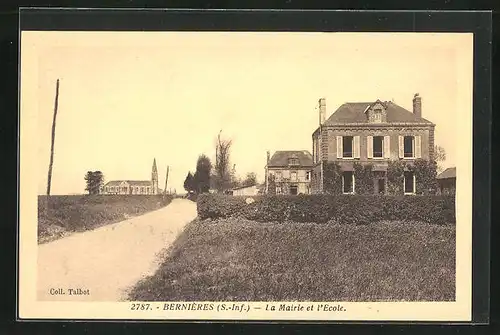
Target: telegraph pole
x=166 y=181
x=49 y=179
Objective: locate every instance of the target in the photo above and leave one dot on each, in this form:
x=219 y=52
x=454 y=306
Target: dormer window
x=293 y=161
x=377 y=115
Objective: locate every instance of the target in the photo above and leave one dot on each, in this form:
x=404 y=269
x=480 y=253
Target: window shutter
x=404 y=184
x=414 y=184
x=387 y=147
x=339 y=146
x=356 y=150
x=369 y=146
x=418 y=146
x=401 y=146
x=353 y=183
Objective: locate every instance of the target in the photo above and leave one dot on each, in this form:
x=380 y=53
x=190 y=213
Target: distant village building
x=141 y=187
x=290 y=172
x=447 y=181
x=371 y=133
x=246 y=190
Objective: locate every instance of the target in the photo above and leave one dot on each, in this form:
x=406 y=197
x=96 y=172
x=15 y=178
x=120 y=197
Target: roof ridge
x=353 y=112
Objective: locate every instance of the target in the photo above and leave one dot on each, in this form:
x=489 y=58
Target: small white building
x=246 y=190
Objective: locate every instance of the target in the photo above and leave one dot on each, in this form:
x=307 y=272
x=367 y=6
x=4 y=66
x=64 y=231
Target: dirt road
x=102 y=264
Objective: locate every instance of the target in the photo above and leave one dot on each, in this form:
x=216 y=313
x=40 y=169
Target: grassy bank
x=76 y=213
x=237 y=259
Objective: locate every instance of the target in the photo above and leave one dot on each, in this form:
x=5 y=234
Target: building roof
x=448 y=173
x=130 y=182
x=280 y=158
x=354 y=112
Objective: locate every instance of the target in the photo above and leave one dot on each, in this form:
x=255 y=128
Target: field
x=76 y=213
x=241 y=260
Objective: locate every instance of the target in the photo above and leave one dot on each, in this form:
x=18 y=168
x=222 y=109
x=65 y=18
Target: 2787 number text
x=140 y=307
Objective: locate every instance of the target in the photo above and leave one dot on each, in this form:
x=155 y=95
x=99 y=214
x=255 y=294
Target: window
x=278 y=189
x=347 y=144
x=408 y=146
x=379 y=180
x=348 y=182
x=377 y=115
x=294 y=190
x=293 y=175
x=293 y=161
x=142 y=190
x=308 y=175
x=278 y=175
x=378 y=146
x=409 y=182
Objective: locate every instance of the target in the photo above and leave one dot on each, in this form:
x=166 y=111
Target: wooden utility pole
x=166 y=181
x=49 y=179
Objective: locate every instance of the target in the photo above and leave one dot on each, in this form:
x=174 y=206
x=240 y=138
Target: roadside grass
x=64 y=215
x=241 y=260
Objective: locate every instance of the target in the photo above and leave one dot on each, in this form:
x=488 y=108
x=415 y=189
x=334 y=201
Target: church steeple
x=154 y=177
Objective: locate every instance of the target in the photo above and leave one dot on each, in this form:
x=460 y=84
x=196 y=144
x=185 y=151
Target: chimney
x=268 y=156
x=417 y=105
x=322 y=110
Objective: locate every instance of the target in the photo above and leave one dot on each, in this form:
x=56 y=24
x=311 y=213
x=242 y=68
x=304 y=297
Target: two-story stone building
x=371 y=132
x=289 y=172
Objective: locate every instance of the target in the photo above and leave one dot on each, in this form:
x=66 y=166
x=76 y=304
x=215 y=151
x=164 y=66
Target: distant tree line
x=219 y=176
x=199 y=182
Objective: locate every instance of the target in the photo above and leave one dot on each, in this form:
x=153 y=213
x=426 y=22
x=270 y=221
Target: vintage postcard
x=245 y=176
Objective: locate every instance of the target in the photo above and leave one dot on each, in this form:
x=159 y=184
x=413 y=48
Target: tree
x=189 y=184
x=439 y=157
x=95 y=181
x=250 y=179
x=202 y=174
x=236 y=181
x=222 y=173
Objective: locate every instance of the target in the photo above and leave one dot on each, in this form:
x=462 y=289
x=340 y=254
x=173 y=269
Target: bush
x=322 y=208
x=77 y=213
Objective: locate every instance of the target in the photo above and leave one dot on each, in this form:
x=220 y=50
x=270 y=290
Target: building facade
x=371 y=133
x=136 y=187
x=288 y=172
x=447 y=181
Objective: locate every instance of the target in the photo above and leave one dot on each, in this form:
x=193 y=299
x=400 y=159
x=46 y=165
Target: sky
x=126 y=98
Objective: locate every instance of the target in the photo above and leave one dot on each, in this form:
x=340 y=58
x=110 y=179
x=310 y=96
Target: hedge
x=322 y=208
